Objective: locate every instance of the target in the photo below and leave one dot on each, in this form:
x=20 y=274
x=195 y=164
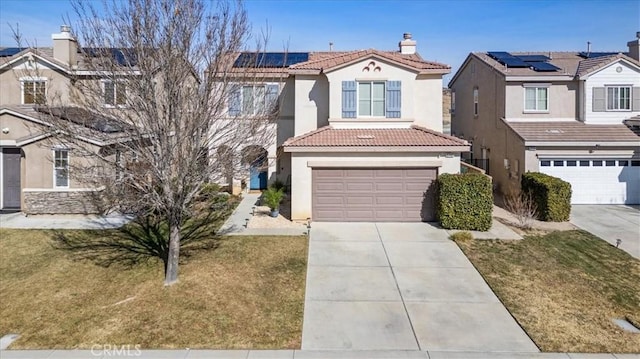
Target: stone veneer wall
x=59 y=202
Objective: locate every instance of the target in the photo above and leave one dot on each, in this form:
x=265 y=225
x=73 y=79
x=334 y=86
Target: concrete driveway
x=393 y=286
x=611 y=222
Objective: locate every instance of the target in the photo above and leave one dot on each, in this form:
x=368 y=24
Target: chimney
x=65 y=46
x=634 y=47
x=407 y=46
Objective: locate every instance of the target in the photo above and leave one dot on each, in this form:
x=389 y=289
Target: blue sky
x=446 y=31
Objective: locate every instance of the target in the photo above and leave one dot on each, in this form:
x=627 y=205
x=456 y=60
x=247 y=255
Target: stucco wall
x=311 y=103
x=57 y=84
x=609 y=76
x=562 y=102
x=301 y=186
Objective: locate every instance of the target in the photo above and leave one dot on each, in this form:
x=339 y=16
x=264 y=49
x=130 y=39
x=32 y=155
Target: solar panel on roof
x=124 y=57
x=10 y=51
x=543 y=66
x=514 y=62
x=499 y=55
x=270 y=59
x=533 y=58
x=590 y=55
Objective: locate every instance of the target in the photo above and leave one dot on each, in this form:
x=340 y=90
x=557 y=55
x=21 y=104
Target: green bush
x=551 y=195
x=465 y=201
x=277 y=184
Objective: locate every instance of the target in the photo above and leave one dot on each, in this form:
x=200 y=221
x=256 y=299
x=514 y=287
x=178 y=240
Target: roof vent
x=365 y=137
x=554 y=131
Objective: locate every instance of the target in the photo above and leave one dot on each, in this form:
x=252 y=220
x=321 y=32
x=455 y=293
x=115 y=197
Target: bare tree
x=154 y=78
x=522 y=206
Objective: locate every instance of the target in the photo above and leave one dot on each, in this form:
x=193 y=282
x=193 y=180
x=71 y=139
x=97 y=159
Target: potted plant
x=272 y=198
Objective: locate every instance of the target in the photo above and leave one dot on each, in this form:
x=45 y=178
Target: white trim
x=33 y=80
x=384 y=99
x=632 y=65
x=476 y=101
x=31 y=53
x=377 y=164
x=7 y=143
x=565 y=143
x=536 y=87
x=115 y=104
x=33 y=139
x=606 y=98
x=590 y=157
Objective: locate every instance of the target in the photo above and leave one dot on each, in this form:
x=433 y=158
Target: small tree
x=165 y=68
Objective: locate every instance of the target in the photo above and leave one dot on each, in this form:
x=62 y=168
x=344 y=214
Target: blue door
x=258 y=179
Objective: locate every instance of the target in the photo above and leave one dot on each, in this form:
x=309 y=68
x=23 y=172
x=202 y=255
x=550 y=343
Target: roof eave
x=377 y=149
x=604 y=66
x=593 y=143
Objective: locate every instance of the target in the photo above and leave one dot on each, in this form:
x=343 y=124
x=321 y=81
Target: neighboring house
x=36 y=172
x=359 y=133
x=568 y=114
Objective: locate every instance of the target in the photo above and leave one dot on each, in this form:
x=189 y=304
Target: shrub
x=465 y=201
x=551 y=195
x=272 y=198
x=461 y=236
x=209 y=190
x=277 y=184
x=522 y=206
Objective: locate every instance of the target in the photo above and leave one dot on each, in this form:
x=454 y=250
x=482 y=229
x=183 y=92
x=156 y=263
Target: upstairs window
x=371 y=99
x=34 y=92
x=618 y=98
x=253 y=100
x=453 y=102
x=61 y=168
x=475 y=101
x=115 y=93
x=536 y=98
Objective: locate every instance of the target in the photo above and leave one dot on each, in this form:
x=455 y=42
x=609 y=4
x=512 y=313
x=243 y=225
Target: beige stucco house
x=37 y=171
x=359 y=133
x=573 y=115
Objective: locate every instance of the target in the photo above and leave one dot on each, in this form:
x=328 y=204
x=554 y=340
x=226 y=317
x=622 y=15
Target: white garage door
x=598 y=181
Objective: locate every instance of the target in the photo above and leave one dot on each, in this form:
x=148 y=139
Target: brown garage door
x=374 y=194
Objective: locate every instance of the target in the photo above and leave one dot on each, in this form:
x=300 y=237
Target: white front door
x=598 y=181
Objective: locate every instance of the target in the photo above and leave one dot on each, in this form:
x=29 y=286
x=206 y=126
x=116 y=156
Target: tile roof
x=377 y=137
x=327 y=60
x=573 y=131
x=570 y=63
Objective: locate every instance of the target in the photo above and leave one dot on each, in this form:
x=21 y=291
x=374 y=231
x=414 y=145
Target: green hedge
x=465 y=201
x=551 y=195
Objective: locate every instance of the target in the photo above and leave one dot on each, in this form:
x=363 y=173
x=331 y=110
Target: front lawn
x=564 y=288
x=247 y=293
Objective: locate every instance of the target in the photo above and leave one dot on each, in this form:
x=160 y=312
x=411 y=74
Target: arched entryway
x=256 y=158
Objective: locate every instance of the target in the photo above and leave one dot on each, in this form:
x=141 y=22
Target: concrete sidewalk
x=296 y=354
x=400 y=286
x=58 y=221
x=236 y=224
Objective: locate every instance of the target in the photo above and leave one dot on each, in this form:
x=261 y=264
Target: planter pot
x=274 y=213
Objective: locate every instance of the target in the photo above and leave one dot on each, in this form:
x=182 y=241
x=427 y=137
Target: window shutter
x=349 y=102
x=271 y=97
x=394 y=99
x=598 y=103
x=635 y=96
x=235 y=101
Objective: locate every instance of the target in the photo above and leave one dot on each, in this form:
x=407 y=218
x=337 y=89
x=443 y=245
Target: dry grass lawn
x=247 y=293
x=564 y=288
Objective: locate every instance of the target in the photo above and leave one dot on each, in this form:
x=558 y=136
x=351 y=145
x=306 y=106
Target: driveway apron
x=400 y=286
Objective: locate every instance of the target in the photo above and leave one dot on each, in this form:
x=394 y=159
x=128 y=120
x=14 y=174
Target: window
x=597 y=163
x=475 y=101
x=253 y=100
x=610 y=163
x=453 y=102
x=635 y=163
x=34 y=91
x=571 y=163
x=584 y=163
x=558 y=163
x=545 y=163
x=61 y=167
x=536 y=99
x=618 y=98
x=624 y=163
x=371 y=99
x=115 y=93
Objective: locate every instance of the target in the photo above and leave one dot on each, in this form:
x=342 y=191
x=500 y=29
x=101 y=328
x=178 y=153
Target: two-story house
x=36 y=172
x=568 y=114
x=359 y=133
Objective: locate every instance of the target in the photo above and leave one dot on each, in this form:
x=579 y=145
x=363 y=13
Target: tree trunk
x=171 y=274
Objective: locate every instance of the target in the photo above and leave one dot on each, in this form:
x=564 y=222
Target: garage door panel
x=380 y=194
